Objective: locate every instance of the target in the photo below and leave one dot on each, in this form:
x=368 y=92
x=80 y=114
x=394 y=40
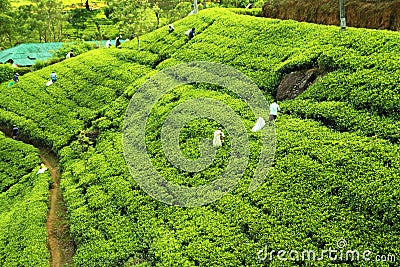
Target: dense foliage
x=78 y=47
x=373 y=14
x=6 y=72
x=54 y=114
x=327 y=183
x=23 y=206
x=26 y=21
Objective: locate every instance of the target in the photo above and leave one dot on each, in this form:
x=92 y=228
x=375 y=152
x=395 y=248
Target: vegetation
x=326 y=183
x=54 y=115
x=78 y=47
x=6 y=72
x=375 y=14
x=24 y=21
x=23 y=206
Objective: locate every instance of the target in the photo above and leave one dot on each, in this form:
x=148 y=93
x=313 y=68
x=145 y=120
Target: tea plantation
x=335 y=175
x=23 y=206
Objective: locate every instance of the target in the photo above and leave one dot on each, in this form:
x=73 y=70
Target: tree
x=4 y=6
x=18 y=25
x=49 y=19
x=134 y=16
x=6 y=21
x=6 y=28
x=77 y=18
x=180 y=11
x=25 y=24
x=158 y=12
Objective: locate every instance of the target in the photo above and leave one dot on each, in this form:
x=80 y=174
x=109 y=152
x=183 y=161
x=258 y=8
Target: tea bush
x=376 y=91
x=23 y=206
x=343 y=117
x=6 y=72
x=54 y=114
x=325 y=184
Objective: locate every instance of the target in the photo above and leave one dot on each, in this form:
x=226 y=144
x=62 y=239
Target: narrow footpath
x=60 y=244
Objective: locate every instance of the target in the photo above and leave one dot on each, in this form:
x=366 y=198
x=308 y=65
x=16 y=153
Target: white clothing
x=108 y=44
x=273 y=109
x=41 y=170
x=217 y=138
x=259 y=124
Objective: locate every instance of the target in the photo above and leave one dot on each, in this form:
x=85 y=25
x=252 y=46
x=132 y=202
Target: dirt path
x=60 y=244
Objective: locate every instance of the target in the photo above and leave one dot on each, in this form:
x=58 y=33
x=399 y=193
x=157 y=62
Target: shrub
x=23 y=206
x=78 y=47
x=6 y=72
x=325 y=184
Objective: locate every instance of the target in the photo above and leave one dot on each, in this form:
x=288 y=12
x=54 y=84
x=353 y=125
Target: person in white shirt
x=218 y=137
x=108 y=43
x=42 y=169
x=70 y=54
x=273 y=111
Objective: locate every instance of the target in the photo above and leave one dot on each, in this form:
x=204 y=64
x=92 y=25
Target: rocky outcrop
x=295 y=83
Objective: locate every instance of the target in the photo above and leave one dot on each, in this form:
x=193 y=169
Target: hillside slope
x=333 y=178
x=374 y=14
x=23 y=206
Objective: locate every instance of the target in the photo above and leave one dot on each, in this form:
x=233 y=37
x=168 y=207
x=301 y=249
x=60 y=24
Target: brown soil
x=374 y=14
x=60 y=244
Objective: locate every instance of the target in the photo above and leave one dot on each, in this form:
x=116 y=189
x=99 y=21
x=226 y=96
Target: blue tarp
x=27 y=54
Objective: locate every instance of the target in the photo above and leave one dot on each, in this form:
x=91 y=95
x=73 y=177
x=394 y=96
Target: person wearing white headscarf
x=218 y=137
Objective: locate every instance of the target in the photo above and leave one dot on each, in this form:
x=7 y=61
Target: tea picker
x=16 y=78
x=15 y=131
x=218 y=137
x=273 y=111
x=42 y=169
x=190 y=33
x=170 y=28
x=53 y=79
x=70 y=54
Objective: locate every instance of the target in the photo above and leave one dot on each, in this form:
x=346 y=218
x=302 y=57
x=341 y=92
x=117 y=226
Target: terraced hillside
x=23 y=206
x=336 y=169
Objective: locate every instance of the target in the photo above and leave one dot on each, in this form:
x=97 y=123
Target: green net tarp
x=27 y=54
